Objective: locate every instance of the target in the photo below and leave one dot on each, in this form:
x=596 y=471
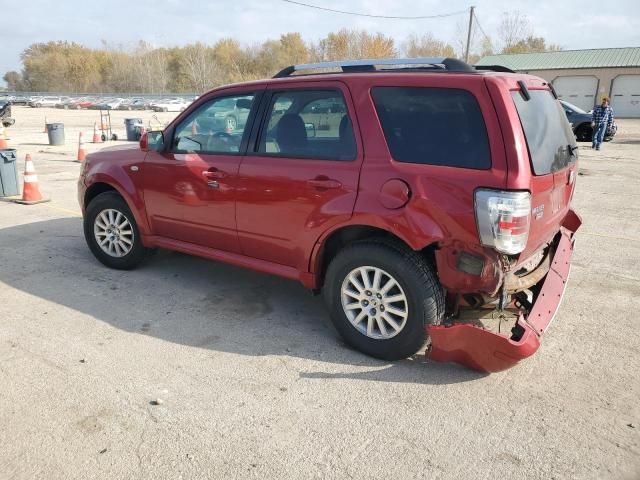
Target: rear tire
x=392 y=326
x=106 y=211
x=584 y=133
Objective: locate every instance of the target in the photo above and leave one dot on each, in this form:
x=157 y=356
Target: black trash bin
x=9 y=173
x=56 y=133
x=133 y=127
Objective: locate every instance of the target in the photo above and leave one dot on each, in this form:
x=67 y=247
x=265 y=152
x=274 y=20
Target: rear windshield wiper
x=572 y=149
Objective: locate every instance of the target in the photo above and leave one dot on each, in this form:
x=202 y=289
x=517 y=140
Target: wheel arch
x=96 y=189
x=103 y=185
x=335 y=240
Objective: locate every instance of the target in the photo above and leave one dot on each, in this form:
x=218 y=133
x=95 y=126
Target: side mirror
x=153 y=140
x=244 y=103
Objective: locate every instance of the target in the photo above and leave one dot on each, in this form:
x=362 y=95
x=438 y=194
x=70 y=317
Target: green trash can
x=56 y=133
x=9 y=173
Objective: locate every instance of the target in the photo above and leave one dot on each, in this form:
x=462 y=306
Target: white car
x=175 y=105
x=114 y=103
x=45 y=102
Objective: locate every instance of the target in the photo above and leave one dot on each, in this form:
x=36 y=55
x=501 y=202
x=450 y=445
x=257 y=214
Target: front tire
x=381 y=296
x=112 y=234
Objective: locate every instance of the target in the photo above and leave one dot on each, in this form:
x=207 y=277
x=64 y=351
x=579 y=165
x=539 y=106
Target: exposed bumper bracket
x=487 y=351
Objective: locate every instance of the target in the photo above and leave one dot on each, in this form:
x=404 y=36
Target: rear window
x=548 y=133
x=433 y=126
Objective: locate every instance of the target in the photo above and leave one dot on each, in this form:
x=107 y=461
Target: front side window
x=433 y=126
x=216 y=127
x=308 y=124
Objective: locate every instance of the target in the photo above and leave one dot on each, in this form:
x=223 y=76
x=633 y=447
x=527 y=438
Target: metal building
x=583 y=77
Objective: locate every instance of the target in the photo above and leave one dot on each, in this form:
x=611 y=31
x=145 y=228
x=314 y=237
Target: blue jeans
x=598 y=135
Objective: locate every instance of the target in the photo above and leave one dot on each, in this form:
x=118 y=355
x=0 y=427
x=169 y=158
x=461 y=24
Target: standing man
x=601 y=120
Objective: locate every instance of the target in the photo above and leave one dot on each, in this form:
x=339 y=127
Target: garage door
x=625 y=96
x=580 y=90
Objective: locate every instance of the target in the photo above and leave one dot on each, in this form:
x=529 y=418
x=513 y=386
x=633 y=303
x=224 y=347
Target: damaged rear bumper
x=487 y=351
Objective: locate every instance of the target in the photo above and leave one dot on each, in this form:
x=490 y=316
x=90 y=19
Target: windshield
x=550 y=139
x=571 y=106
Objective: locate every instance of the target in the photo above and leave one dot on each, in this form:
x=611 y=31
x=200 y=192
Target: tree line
x=62 y=66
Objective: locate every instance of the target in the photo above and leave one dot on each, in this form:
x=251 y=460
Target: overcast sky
x=573 y=24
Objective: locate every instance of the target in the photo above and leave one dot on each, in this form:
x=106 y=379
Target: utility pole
x=466 y=52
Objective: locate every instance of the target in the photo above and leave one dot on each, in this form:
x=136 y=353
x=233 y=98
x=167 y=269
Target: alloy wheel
x=374 y=302
x=113 y=233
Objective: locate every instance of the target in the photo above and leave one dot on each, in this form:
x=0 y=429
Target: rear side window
x=310 y=124
x=433 y=126
x=548 y=133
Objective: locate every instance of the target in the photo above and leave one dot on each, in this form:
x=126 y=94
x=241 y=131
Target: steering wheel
x=219 y=138
x=224 y=135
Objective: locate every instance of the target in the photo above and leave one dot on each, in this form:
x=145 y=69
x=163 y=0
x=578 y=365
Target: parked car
x=87 y=102
x=173 y=105
x=107 y=104
x=435 y=205
x=228 y=115
x=47 y=101
x=65 y=102
x=19 y=100
x=133 y=104
x=581 y=123
x=74 y=103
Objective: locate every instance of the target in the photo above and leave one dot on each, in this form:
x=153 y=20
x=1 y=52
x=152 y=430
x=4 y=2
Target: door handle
x=324 y=183
x=213 y=173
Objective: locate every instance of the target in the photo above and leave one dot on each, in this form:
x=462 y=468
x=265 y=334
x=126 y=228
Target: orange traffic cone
x=81 y=153
x=96 y=135
x=30 y=190
x=45 y=125
x=3 y=140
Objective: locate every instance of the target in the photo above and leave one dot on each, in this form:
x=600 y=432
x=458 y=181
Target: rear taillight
x=503 y=219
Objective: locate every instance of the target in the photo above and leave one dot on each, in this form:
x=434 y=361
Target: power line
x=482 y=30
x=420 y=17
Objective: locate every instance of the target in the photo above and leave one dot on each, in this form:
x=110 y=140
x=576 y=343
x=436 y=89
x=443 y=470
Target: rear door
x=552 y=153
x=300 y=174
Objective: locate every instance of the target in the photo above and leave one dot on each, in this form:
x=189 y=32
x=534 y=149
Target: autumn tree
x=70 y=67
x=514 y=26
x=517 y=36
x=531 y=44
x=199 y=66
x=356 y=44
x=13 y=79
x=426 y=46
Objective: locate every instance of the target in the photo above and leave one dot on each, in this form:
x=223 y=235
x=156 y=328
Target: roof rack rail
x=352 y=66
x=494 y=68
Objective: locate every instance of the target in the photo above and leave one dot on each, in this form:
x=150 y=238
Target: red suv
x=427 y=200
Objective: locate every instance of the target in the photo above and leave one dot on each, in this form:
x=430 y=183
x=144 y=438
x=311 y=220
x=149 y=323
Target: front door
x=190 y=188
x=300 y=176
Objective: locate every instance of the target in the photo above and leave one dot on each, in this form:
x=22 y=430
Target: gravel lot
x=252 y=380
